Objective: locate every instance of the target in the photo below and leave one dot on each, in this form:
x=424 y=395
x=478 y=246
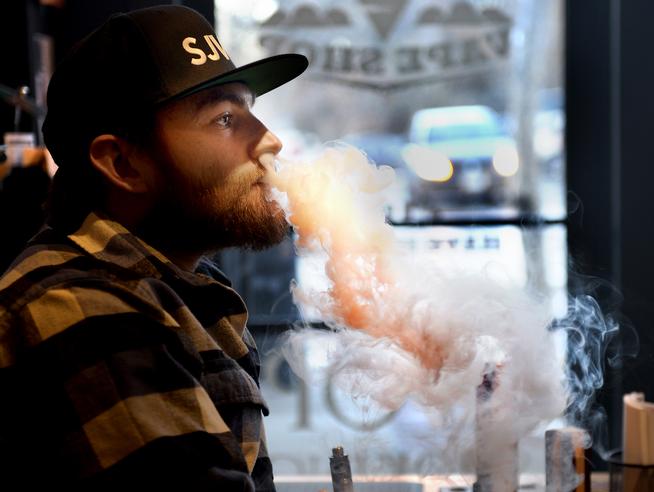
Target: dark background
x=25 y=189
x=610 y=103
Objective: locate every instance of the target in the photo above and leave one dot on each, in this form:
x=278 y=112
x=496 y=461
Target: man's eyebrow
x=212 y=96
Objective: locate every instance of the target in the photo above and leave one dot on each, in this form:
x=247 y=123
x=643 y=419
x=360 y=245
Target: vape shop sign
x=391 y=43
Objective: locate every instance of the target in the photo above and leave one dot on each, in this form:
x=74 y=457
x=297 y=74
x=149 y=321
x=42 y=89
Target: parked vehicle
x=461 y=155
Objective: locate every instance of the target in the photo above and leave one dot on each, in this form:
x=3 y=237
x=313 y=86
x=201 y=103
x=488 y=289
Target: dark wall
x=637 y=186
x=24 y=189
x=13 y=48
x=610 y=76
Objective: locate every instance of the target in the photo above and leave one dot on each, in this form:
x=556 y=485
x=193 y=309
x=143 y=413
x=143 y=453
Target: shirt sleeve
x=125 y=407
x=262 y=474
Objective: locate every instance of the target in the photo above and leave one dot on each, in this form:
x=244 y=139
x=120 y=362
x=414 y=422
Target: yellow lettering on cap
x=187 y=44
x=214 y=55
x=213 y=42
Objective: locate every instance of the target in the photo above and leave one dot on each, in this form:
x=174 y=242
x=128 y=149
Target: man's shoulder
x=37 y=263
x=46 y=262
x=59 y=290
x=63 y=277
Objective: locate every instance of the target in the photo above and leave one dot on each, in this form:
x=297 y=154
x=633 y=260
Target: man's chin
x=269 y=234
x=256 y=227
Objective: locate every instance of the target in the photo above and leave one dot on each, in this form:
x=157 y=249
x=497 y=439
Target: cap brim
x=260 y=76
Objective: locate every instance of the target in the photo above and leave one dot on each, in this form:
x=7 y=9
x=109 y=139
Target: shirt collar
x=109 y=241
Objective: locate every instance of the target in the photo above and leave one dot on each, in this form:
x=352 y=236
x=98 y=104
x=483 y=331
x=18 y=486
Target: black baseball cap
x=136 y=62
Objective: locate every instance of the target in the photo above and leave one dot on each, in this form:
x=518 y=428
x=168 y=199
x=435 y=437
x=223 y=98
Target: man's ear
x=115 y=158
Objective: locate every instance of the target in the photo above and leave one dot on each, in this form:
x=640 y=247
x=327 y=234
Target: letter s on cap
x=187 y=45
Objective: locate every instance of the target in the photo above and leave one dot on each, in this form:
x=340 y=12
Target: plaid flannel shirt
x=119 y=369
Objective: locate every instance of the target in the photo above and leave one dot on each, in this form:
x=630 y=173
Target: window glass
x=464 y=100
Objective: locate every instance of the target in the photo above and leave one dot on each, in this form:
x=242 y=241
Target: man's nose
x=269 y=144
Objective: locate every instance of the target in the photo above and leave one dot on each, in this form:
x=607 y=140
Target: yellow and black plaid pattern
x=119 y=369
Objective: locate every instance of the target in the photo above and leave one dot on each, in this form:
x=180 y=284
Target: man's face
x=207 y=154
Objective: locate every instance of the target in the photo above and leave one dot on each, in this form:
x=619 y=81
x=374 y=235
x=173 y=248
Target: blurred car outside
x=461 y=156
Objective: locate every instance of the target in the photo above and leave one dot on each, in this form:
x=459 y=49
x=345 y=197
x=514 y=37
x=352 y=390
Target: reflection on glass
x=478 y=82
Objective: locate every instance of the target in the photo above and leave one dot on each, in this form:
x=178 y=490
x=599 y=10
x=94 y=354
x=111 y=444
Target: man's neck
x=170 y=246
x=185 y=261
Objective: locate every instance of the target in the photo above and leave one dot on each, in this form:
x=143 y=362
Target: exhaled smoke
x=593 y=340
x=405 y=330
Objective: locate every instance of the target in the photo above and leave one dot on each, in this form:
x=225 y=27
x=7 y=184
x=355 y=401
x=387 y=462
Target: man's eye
x=225 y=120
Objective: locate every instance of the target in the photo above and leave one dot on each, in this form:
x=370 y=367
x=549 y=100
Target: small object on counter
x=638 y=430
x=15 y=145
x=18 y=98
x=339 y=465
x=637 y=444
x=23 y=92
x=497 y=459
x=566 y=460
x=19 y=150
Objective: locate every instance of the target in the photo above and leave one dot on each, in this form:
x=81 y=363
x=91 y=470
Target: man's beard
x=202 y=218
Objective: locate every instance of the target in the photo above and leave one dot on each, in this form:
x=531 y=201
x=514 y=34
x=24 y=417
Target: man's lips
x=262 y=182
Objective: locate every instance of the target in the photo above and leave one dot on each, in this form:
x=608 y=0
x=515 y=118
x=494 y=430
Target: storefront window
x=464 y=100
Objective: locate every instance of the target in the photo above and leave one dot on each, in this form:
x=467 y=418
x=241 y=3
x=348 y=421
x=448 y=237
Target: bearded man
x=125 y=359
